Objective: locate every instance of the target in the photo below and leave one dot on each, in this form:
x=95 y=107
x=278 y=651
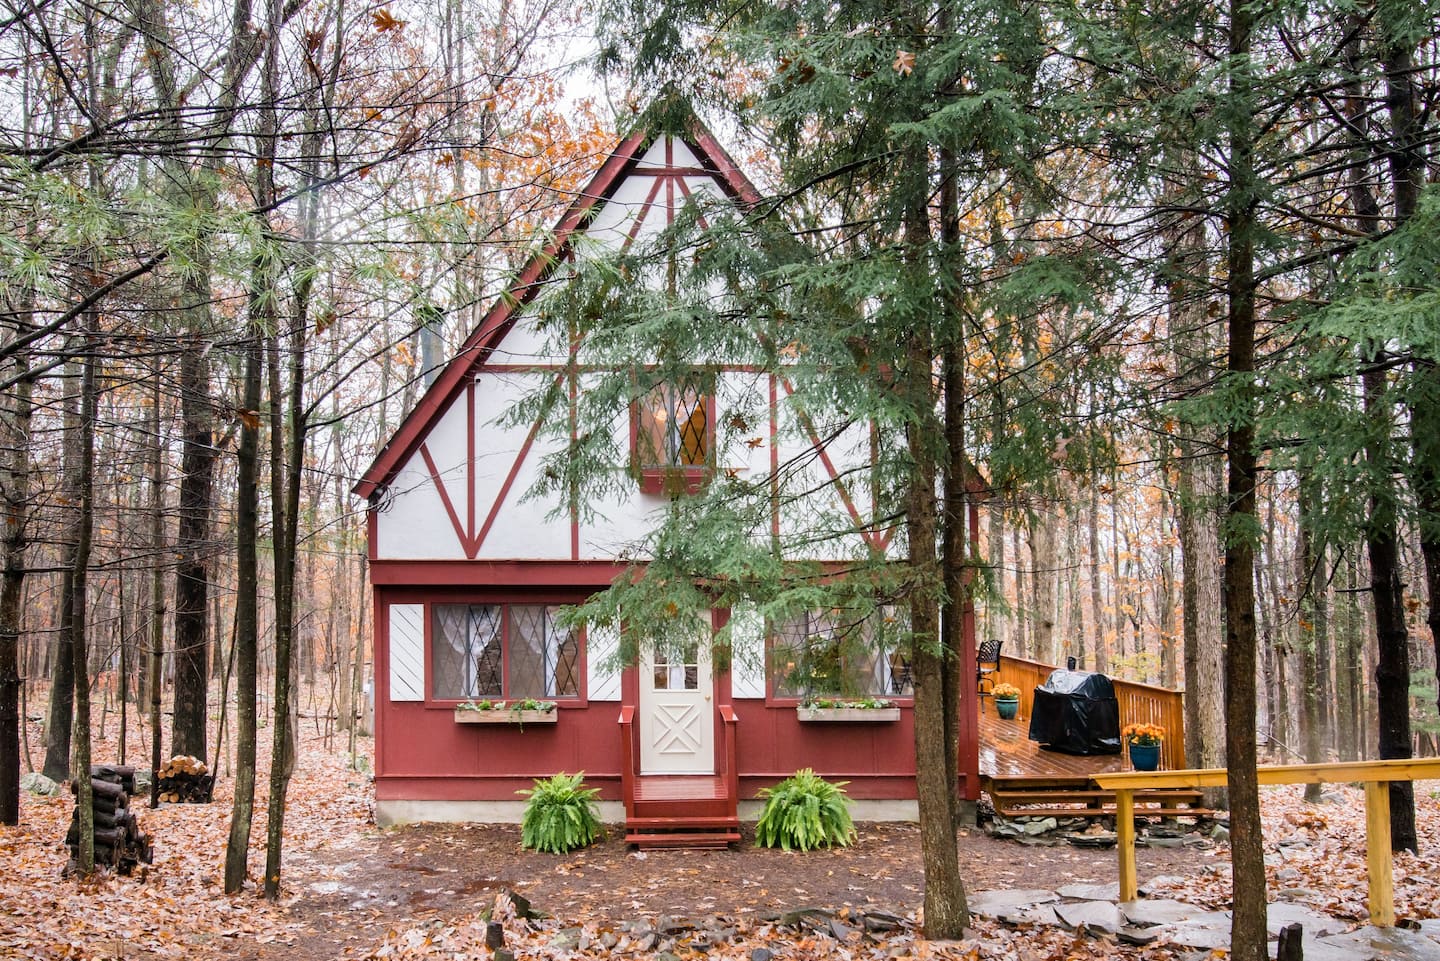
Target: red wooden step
x=683 y=839
x=681 y=822
x=679 y=787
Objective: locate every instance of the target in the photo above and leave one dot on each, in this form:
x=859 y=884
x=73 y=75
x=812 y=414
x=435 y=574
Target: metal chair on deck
x=987 y=665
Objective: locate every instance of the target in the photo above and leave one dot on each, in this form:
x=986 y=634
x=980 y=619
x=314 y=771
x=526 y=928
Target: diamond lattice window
x=502 y=651
x=831 y=655
x=674 y=438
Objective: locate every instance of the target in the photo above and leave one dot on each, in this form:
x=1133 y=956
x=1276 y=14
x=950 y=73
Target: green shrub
x=805 y=811
x=560 y=815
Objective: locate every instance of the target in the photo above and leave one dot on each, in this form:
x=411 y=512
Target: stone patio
x=1094 y=908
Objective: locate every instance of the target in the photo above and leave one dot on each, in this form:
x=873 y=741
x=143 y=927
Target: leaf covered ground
x=352 y=890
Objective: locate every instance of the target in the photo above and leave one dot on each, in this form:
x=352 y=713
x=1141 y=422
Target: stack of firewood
x=119 y=842
x=186 y=780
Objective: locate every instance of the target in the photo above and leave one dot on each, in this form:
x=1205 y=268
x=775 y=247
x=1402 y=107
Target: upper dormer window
x=674 y=438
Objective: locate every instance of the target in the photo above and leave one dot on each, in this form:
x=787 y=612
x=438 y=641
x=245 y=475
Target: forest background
x=238 y=236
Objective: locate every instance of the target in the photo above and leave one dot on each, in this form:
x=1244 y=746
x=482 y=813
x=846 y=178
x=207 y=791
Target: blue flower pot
x=1007 y=708
x=1145 y=757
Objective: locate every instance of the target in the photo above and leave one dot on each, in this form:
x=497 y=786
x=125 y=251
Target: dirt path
x=349 y=893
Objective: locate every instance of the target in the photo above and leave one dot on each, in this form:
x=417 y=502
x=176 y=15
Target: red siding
x=489 y=762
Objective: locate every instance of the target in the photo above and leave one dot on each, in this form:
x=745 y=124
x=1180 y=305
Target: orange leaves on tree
x=383 y=21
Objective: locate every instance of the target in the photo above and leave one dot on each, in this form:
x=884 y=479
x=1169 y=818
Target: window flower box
x=506 y=712
x=825 y=710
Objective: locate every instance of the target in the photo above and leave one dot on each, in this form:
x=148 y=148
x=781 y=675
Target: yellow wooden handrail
x=1375 y=775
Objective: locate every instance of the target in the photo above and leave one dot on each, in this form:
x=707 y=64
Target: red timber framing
x=479 y=346
x=424 y=756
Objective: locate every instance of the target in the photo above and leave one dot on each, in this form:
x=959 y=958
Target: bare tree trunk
x=1074 y=633
x=1247 y=928
x=59 y=725
x=83 y=490
x=124 y=667
x=956 y=550
x=946 y=912
x=1407 y=161
x=1273 y=669
x=237 y=851
x=1392 y=673
x=15 y=417
x=157 y=585
x=1097 y=616
x=997 y=623
x=194 y=182
x=1022 y=616
x=192 y=545
x=1314 y=626
x=1349 y=652
x=1043 y=567
x=1169 y=661
x=1117 y=584
x=285 y=479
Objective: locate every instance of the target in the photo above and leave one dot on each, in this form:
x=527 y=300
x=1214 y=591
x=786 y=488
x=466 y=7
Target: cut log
x=119 y=842
x=112 y=837
x=121 y=774
x=100 y=789
x=106 y=819
x=191 y=788
x=105 y=855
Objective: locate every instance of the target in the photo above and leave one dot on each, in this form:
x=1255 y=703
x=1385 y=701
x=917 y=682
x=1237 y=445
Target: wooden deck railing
x=732 y=770
x=1139 y=703
x=627 y=769
x=1376 y=776
x=629 y=766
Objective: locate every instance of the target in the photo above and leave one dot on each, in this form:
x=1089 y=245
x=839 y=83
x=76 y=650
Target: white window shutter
x=602 y=675
x=407 y=652
x=747 y=652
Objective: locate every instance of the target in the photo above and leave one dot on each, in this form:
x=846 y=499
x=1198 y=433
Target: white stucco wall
x=413 y=523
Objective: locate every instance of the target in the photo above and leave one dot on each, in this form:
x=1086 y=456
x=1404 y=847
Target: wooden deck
x=1006 y=751
x=1024 y=779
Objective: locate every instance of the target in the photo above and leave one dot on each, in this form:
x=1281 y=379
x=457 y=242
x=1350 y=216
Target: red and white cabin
x=467 y=577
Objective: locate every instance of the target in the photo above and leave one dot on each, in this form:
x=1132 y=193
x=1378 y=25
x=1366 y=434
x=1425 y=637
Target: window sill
x=463 y=716
x=848 y=715
x=673 y=480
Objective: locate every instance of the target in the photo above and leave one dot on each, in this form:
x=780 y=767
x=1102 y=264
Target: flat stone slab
x=1090 y=907
x=1316 y=925
x=1320 y=951
x=1382 y=944
x=1000 y=904
x=1091 y=892
x=1147 y=912
x=1091 y=915
x=1205 y=936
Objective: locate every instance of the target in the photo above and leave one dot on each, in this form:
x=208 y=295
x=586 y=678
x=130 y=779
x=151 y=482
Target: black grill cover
x=1076 y=712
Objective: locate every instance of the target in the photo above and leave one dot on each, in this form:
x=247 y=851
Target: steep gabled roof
x=528 y=283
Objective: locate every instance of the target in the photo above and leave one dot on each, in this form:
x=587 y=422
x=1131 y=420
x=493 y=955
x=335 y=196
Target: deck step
x=1037 y=783
x=681 y=823
x=680 y=787
x=1080 y=797
x=1169 y=811
x=682 y=838
x=1063 y=797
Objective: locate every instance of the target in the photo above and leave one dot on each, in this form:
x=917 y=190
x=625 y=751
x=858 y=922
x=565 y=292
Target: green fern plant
x=560 y=815
x=804 y=812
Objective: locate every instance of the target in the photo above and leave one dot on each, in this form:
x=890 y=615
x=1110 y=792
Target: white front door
x=677 y=713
